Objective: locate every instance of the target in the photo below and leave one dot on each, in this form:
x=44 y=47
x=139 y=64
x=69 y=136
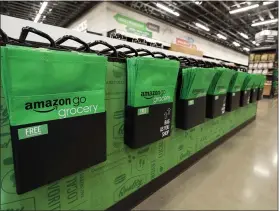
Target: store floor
x=240 y=174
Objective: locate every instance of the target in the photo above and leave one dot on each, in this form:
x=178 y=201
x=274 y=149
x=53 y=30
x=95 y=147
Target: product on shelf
x=270 y=65
x=264 y=57
x=251 y=57
x=255 y=66
x=257 y=58
x=271 y=57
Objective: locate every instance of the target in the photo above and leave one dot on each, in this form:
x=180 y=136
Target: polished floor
x=241 y=174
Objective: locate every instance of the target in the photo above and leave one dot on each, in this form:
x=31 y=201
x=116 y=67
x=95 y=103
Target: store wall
x=94 y=19
x=110 y=16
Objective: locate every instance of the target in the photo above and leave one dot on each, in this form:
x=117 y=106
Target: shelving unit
x=263 y=60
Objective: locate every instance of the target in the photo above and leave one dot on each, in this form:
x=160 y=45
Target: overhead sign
x=189 y=42
x=153 y=27
x=81 y=27
x=135 y=26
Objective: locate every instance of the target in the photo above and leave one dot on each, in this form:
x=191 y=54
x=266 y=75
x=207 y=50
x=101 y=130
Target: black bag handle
x=71 y=37
x=184 y=59
x=162 y=55
x=200 y=63
x=173 y=57
x=4 y=36
x=146 y=52
x=132 y=50
x=193 y=61
x=27 y=29
x=101 y=42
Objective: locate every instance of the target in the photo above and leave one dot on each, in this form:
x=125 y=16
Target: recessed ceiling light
x=236 y=44
x=202 y=26
x=244 y=9
x=265 y=22
x=268 y=2
x=243 y=35
x=169 y=10
x=43 y=7
x=221 y=36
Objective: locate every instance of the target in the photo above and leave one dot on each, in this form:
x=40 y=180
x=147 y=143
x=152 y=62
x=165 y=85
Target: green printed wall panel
x=125 y=171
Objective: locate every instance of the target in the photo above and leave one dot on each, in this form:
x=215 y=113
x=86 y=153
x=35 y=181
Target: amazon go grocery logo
x=75 y=106
x=157 y=96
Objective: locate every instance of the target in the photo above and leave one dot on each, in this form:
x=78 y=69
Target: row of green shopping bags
x=56 y=101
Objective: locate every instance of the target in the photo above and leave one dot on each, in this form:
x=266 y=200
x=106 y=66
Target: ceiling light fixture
x=254 y=42
x=268 y=2
x=244 y=9
x=221 y=36
x=244 y=35
x=202 y=26
x=42 y=9
x=246 y=49
x=261 y=18
x=161 y=6
x=236 y=44
x=265 y=22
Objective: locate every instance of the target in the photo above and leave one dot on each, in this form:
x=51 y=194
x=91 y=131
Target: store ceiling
x=57 y=13
x=215 y=16
x=212 y=14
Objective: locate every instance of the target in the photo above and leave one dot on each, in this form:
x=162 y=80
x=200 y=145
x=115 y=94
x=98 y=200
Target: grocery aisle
x=239 y=174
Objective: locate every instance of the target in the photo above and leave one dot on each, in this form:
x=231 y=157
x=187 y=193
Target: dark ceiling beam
x=224 y=5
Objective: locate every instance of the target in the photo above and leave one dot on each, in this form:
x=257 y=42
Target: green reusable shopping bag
x=31 y=89
x=56 y=106
x=193 y=85
x=220 y=81
x=151 y=81
x=151 y=86
x=248 y=82
x=195 y=82
x=237 y=81
x=258 y=80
